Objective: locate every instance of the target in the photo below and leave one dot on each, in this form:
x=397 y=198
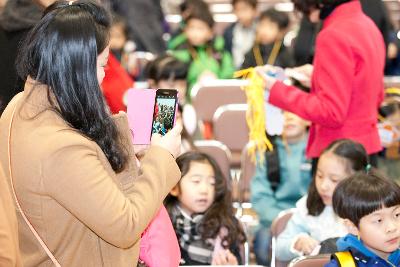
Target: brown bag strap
x=41 y=242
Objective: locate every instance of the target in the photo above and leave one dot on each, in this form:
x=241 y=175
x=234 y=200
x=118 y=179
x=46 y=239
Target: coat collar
x=342 y=11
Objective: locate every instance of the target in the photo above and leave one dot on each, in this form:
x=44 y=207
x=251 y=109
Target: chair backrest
x=311 y=261
x=209 y=95
x=230 y=127
x=248 y=168
x=391 y=81
x=277 y=227
x=219 y=152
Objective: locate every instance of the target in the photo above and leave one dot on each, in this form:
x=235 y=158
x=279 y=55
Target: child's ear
x=351 y=227
x=175 y=191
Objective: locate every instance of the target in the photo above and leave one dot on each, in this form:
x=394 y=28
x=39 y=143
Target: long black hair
x=61 y=52
x=220 y=213
x=356 y=158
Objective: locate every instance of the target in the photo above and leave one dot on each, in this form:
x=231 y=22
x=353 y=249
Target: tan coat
x=86 y=214
x=9 y=249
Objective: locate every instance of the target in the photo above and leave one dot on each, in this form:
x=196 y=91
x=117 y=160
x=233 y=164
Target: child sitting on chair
x=370 y=205
x=314 y=219
x=200 y=207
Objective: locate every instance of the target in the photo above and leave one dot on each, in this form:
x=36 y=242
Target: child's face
x=294 y=127
x=245 y=13
x=331 y=170
x=267 y=31
x=197 y=188
x=380 y=231
x=198 y=32
x=117 y=37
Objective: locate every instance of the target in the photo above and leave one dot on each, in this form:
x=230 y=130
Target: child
x=314 y=219
x=268 y=47
x=200 y=208
x=280 y=180
x=198 y=47
x=121 y=47
x=168 y=72
x=370 y=205
x=239 y=36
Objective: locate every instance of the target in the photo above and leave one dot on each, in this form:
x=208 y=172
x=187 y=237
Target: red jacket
x=115 y=84
x=347 y=82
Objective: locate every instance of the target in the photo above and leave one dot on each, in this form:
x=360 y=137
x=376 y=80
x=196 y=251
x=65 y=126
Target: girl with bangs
x=200 y=207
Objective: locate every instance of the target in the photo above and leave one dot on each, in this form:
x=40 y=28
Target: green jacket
x=211 y=57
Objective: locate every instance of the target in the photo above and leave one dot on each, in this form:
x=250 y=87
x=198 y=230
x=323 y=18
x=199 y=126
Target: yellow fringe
x=255 y=115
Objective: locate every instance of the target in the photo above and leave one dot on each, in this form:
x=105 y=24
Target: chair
x=277 y=227
x=209 y=95
x=311 y=261
x=230 y=127
x=248 y=168
x=391 y=81
x=219 y=152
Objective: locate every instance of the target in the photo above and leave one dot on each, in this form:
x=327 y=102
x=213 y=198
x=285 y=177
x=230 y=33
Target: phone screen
x=164 y=111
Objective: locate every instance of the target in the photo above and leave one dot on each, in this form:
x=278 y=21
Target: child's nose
x=203 y=187
x=391 y=226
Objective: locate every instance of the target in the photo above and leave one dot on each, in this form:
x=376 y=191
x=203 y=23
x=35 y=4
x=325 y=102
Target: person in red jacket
x=346 y=78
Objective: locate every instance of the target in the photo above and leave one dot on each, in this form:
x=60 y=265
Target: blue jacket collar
x=351 y=242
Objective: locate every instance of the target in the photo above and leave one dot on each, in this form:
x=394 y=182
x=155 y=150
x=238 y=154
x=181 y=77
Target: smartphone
x=164 y=111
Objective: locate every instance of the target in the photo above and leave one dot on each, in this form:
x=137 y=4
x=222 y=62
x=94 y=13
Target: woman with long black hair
x=71 y=163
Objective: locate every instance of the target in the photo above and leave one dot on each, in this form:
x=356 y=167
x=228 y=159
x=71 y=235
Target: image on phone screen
x=164 y=112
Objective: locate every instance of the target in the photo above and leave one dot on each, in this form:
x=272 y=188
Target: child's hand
x=269 y=80
x=224 y=257
x=305 y=244
x=206 y=76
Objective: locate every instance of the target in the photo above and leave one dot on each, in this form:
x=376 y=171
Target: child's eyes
x=378 y=220
x=397 y=215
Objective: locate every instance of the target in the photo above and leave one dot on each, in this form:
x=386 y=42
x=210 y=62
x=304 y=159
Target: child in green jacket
x=198 y=47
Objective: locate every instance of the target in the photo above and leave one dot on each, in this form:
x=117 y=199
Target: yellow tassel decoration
x=255 y=115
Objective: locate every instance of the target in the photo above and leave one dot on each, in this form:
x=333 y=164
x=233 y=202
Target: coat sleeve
x=296 y=226
x=8 y=253
x=332 y=81
x=262 y=196
x=75 y=177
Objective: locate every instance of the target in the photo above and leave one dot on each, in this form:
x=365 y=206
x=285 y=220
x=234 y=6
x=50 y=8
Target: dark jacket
x=17 y=18
x=363 y=257
x=284 y=58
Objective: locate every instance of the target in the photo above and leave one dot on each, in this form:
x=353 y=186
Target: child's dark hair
x=356 y=159
x=220 y=213
x=252 y=3
x=391 y=103
x=166 y=67
x=203 y=15
x=189 y=5
x=278 y=17
x=362 y=194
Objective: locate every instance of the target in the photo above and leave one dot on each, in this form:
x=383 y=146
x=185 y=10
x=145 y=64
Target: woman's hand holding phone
x=171 y=141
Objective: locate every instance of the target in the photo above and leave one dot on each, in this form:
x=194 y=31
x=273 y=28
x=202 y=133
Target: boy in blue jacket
x=370 y=205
